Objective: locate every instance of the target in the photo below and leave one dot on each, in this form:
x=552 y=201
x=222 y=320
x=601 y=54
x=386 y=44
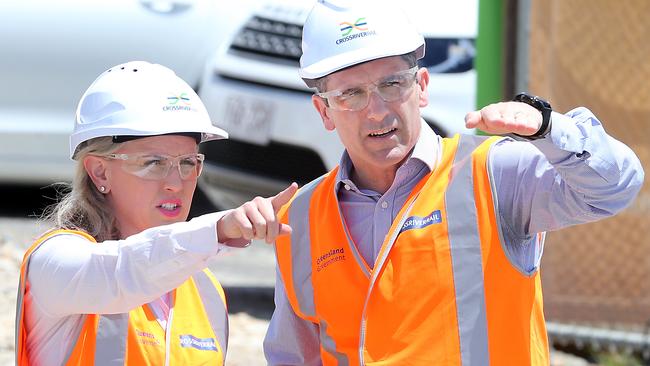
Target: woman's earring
x=102 y=189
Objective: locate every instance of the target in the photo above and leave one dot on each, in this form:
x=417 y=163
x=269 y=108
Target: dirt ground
x=250 y=312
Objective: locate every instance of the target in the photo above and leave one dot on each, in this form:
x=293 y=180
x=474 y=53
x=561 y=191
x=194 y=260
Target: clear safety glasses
x=391 y=89
x=157 y=166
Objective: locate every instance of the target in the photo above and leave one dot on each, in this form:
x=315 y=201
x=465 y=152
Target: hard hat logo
x=179 y=102
x=348 y=28
x=174 y=99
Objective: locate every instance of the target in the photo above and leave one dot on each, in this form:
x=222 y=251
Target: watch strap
x=541 y=105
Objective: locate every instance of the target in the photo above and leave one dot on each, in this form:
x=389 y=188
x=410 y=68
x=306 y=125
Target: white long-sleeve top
x=70 y=276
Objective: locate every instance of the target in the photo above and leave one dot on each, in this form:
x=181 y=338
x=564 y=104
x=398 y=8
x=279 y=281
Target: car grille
x=276 y=160
x=268 y=37
x=281 y=41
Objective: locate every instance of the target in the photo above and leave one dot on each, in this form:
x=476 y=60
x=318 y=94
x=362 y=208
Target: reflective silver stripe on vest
x=466 y=256
x=301 y=248
x=353 y=247
x=19 y=311
x=19 y=307
x=112 y=332
x=330 y=346
x=215 y=308
x=74 y=344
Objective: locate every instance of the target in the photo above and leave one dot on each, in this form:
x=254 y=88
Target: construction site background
x=596 y=53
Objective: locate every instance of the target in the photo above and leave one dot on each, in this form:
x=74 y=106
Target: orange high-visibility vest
x=442 y=290
x=198 y=324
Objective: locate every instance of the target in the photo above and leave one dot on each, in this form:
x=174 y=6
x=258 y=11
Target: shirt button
x=384 y=204
x=347 y=187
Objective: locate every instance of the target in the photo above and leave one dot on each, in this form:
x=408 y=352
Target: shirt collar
x=426 y=149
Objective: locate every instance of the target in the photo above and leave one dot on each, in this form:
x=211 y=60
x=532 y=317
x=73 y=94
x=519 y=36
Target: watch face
x=532 y=100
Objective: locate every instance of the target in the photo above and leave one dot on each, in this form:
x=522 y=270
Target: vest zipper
x=378 y=265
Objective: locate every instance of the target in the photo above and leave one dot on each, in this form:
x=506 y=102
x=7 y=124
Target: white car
x=50 y=52
x=253 y=91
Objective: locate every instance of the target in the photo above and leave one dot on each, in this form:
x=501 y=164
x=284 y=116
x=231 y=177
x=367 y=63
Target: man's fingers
x=283 y=197
x=492 y=117
x=472 y=119
x=508 y=117
x=505 y=117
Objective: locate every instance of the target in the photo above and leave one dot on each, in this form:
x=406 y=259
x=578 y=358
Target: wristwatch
x=542 y=106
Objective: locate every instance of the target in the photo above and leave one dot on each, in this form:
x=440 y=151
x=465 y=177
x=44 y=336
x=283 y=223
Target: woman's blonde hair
x=82 y=206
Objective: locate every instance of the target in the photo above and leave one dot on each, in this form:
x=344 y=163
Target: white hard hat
x=342 y=33
x=140 y=99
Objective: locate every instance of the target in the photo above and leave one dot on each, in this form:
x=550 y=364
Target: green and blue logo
x=347 y=27
x=178 y=102
x=348 y=30
x=175 y=99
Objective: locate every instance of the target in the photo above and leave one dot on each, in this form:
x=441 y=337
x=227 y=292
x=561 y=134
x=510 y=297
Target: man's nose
x=377 y=108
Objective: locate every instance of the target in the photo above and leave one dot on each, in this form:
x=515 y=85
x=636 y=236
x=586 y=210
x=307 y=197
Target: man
x=419 y=250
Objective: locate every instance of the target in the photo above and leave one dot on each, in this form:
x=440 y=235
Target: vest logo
x=329 y=257
x=417 y=222
x=146 y=338
x=348 y=27
x=203 y=344
x=178 y=102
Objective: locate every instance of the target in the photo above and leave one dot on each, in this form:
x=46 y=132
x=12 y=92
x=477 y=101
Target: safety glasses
x=390 y=88
x=157 y=166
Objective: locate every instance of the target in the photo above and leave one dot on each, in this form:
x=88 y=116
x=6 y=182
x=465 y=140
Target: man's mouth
x=382 y=132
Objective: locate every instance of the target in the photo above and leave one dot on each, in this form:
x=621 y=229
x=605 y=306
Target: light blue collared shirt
x=574 y=175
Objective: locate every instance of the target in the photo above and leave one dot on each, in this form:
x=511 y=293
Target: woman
x=122 y=278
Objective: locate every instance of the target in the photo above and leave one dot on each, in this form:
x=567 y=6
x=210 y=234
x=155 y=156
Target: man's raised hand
x=505 y=117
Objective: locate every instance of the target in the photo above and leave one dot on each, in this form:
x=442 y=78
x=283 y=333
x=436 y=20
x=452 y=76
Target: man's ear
x=97 y=169
x=423 y=82
x=321 y=106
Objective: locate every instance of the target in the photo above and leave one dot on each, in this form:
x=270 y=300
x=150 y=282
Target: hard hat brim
x=207 y=134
